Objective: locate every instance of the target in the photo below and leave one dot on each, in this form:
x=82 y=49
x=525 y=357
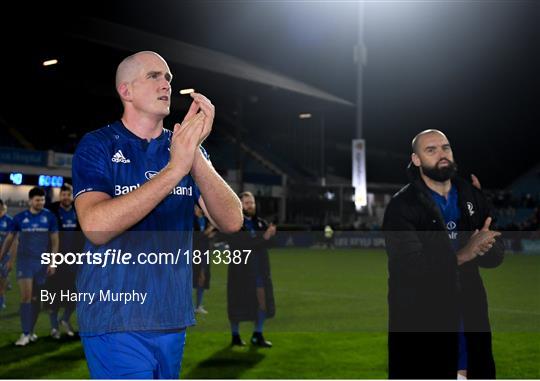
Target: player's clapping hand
x=270 y=232
x=483 y=240
x=208 y=109
x=185 y=141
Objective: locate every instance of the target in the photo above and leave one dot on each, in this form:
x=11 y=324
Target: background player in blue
x=38 y=232
x=71 y=240
x=135 y=186
x=5 y=228
x=204 y=230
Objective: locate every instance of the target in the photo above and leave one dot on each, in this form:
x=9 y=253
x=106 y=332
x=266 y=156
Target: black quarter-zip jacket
x=428 y=293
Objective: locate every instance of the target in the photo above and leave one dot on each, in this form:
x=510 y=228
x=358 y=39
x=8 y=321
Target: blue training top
x=115 y=161
x=34 y=231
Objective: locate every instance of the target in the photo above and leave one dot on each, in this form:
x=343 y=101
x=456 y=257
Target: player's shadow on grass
x=9 y=353
x=226 y=363
x=48 y=364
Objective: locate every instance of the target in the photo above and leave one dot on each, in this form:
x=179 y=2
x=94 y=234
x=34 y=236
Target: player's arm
x=103 y=217
x=55 y=246
x=7 y=244
x=403 y=243
x=218 y=200
x=55 y=242
x=14 y=246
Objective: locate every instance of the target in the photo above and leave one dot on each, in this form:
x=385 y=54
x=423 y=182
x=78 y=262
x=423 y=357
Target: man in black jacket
x=437 y=236
x=250 y=295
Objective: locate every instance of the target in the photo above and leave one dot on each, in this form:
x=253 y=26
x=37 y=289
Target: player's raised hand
x=487 y=224
x=208 y=109
x=184 y=143
x=483 y=240
x=270 y=232
x=193 y=109
x=476 y=182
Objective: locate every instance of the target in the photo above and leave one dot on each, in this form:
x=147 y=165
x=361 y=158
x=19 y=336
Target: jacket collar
x=422 y=191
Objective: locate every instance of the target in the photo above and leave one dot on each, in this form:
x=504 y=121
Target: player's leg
x=3 y=284
x=258 y=338
x=67 y=283
x=169 y=354
x=66 y=317
x=25 y=287
x=4 y=273
x=235 y=332
x=39 y=277
x=122 y=355
x=53 y=320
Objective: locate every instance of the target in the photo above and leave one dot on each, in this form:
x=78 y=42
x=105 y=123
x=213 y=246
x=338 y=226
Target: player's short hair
x=66 y=187
x=36 y=191
x=245 y=194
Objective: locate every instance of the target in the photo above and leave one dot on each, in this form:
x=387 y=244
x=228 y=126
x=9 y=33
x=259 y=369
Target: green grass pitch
x=330 y=323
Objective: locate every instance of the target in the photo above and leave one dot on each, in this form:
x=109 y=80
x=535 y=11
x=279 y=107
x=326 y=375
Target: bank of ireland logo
x=150 y=174
x=451 y=225
x=470 y=207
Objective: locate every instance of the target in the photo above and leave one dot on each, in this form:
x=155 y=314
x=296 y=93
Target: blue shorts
x=32 y=269
x=135 y=355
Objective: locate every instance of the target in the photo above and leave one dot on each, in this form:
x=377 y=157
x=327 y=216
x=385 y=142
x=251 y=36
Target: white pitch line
x=511 y=311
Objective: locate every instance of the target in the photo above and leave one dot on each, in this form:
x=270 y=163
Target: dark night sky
x=471 y=69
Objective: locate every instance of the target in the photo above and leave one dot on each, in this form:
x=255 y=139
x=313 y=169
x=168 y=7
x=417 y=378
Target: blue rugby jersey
x=115 y=161
x=450 y=211
x=34 y=231
x=67 y=219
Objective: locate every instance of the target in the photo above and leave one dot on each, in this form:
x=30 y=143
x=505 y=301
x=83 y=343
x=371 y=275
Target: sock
x=200 y=291
x=53 y=318
x=68 y=311
x=36 y=309
x=26 y=318
x=235 y=328
x=1 y=301
x=261 y=315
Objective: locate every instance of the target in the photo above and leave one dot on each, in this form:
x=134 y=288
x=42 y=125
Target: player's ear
x=415 y=159
x=124 y=91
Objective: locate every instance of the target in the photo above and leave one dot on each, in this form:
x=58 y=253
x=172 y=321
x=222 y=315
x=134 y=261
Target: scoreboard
x=18 y=178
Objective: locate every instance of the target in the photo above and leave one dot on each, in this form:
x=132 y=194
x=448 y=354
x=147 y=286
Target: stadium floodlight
x=187 y=91
x=305 y=115
x=50 y=62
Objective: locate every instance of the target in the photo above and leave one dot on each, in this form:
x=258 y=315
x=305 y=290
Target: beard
x=249 y=212
x=440 y=174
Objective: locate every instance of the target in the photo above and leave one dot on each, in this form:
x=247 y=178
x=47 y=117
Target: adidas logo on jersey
x=119 y=158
